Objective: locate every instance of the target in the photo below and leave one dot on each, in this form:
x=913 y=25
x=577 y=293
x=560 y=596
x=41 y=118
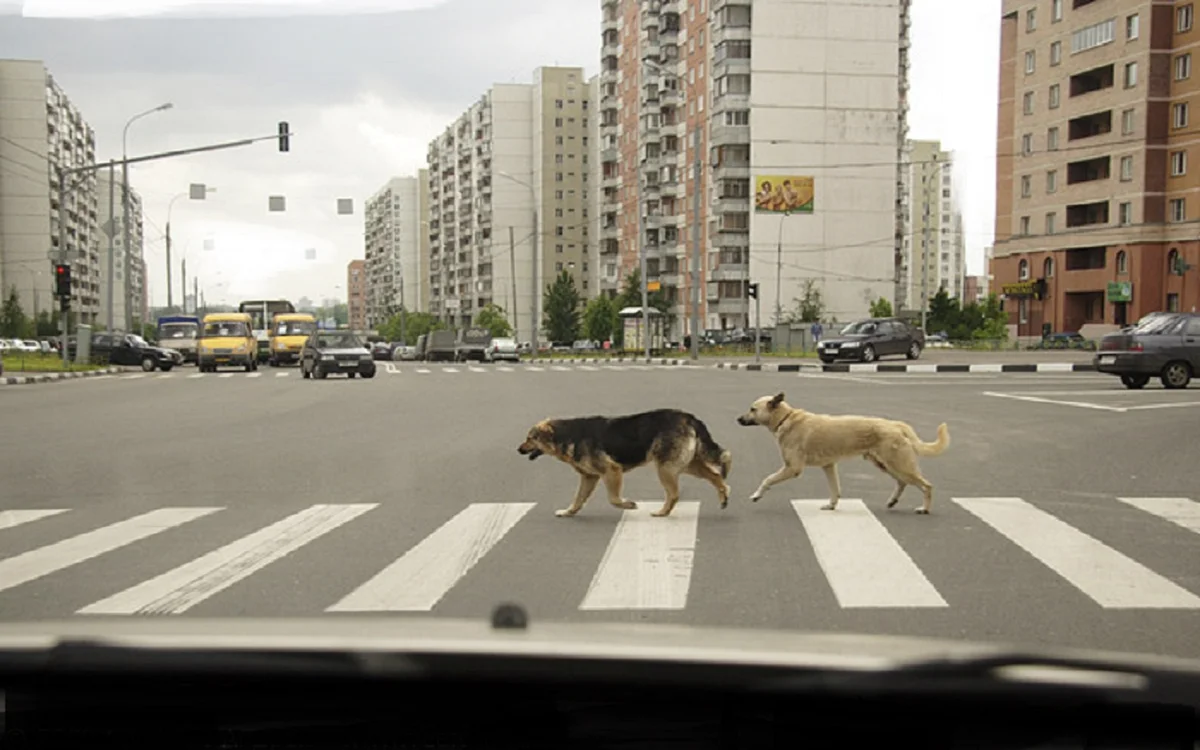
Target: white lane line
x=12 y=518
x=422 y=576
x=851 y=378
x=282 y=374
x=863 y=562
x=588 y=368
x=1108 y=577
x=195 y=375
x=134 y=376
x=165 y=375
x=423 y=371
x=649 y=561
x=1178 y=510
x=1177 y=405
x=54 y=557
x=472 y=368
x=534 y=368
x=560 y=368
x=225 y=375
x=184 y=587
x=505 y=369
x=449 y=369
x=254 y=374
x=1062 y=402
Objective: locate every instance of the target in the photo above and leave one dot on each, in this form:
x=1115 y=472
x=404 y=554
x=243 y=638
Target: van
x=226 y=340
x=288 y=333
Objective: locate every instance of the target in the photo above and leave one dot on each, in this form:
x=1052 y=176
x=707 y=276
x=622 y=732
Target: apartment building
x=129 y=274
x=511 y=170
x=1097 y=208
x=396 y=243
x=356 y=295
x=40 y=131
x=766 y=92
x=934 y=245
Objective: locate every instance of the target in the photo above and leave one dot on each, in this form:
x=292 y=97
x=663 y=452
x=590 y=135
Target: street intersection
x=1066 y=509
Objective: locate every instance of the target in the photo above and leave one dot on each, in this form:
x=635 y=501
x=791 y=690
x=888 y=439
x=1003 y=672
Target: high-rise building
x=129 y=286
x=356 y=295
x=42 y=131
x=1096 y=195
x=522 y=150
x=397 y=248
x=934 y=245
x=797 y=111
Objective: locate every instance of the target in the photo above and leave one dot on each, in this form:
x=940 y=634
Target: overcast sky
x=365 y=92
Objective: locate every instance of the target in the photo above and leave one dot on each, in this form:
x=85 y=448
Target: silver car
x=503 y=349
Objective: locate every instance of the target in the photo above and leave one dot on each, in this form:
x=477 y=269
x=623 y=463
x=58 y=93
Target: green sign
x=1120 y=291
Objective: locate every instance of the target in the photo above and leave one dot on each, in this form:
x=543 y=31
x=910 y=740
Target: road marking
x=648 y=563
x=225 y=375
x=851 y=378
x=533 y=368
x=618 y=368
x=588 y=368
x=422 y=371
x=390 y=368
x=184 y=587
x=560 y=368
x=422 y=576
x=45 y=560
x=165 y=375
x=282 y=374
x=1177 y=510
x=12 y=518
x=449 y=369
x=505 y=369
x=1176 y=405
x=863 y=562
x=135 y=376
x=1040 y=400
x=476 y=369
x=1109 y=578
x=196 y=375
x=254 y=375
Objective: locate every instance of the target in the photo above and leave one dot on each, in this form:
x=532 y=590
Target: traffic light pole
x=64 y=305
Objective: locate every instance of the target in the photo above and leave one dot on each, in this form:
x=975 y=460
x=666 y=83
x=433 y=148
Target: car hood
x=843 y=338
x=629 y=641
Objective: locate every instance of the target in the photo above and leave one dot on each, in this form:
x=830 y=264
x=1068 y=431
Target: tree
x=881 y=308
x=416 y=325
x=13 y=323
x=943 y=313
x=561 y=309
x=808 y=308
x=601 y=319
x=492 y=318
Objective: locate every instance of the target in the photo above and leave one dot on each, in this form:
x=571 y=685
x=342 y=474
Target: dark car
x=1166 y=346
x=130 y=349
x=328 y=352
x=868 y=340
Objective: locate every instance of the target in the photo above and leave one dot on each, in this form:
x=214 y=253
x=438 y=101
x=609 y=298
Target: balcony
x=725 y=134
x=730 y=272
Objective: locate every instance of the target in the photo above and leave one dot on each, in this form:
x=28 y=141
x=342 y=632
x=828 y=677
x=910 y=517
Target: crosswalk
x=389 y=368
x=647 y=563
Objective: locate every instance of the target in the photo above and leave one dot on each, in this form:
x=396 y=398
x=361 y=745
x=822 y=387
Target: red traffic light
x=60 y=269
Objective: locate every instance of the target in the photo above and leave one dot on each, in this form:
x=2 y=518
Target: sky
x=364 y=92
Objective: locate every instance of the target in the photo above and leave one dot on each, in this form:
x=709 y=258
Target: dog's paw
x=828 y=506
x=627 y=505
x=564 y=513
x=661 y=513
x=892 y=503
x=755 y=498
x=922 y=512
x=724 y=503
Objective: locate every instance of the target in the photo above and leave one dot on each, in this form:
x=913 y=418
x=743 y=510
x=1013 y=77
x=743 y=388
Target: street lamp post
x=195 y=192
x=534 y=292
x=125 y=208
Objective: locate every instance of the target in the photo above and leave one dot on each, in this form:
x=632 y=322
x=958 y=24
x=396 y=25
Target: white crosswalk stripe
x=647 y=564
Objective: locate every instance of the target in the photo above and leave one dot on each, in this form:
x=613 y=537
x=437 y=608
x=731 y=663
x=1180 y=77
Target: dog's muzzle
x=745 y=421
x=531 y=452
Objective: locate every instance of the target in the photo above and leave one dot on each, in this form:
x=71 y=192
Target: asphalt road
x=1065 y=510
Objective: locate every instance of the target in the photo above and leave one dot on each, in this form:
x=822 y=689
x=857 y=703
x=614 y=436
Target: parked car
x=503 y=350
x=130 y=349
x=869 y=339
x=1166 y=346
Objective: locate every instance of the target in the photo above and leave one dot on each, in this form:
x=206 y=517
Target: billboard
x=783 y=194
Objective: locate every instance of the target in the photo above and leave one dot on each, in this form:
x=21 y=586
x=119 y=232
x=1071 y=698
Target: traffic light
x=752 y=290
x=283 y=136
x=62 y=280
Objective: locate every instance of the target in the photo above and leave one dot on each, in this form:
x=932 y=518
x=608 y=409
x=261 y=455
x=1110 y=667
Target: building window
x=1179 y=115
x=1054 y=96
x=1125 y=214
x=1024 y=226
x=1093 y=36
x=1050 y=223
x=1052 y=181
x=1183 y=18
x=1127 y=122
x=1026 y=144
x=1122 y=259
x=1055 y=53
x=1052 y=139
x=1030 y=20
x=1026 y=186
x=1178 y=163
x=1027 y=103
x=1022 y=311
x=1023 y=270
x=1131 y=75
x=1048 y=267
x=1178 y=209
x=1056 y=11
x=1126 y=168
x=1183 y=67
x=1131 y=27
x=1030 y=59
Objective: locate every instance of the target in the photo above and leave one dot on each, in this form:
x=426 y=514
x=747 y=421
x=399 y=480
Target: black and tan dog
x=607 y=447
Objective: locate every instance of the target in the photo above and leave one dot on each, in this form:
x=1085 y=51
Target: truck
x=472 y=344
x=440 y=346
x=179 y=332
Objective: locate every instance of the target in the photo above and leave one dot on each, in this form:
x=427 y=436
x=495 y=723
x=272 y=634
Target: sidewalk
x=940 y=357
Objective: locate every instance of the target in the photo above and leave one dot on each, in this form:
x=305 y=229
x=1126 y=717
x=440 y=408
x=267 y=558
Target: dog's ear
x=775 y=402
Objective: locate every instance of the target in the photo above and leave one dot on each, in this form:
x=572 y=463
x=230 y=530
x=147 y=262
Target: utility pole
x=196 y=294
x=779 y=272
x=64 y=303
x=641 y=241
x=169 y=302
x=182 y=282
x=112 y=231
x=696 y=249
x=535 y=292
x=125 y=243
x=512 y=267
x=929 y=182
x=403 y=310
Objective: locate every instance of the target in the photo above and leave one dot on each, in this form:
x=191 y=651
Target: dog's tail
x=936 y=448
x=710 y=452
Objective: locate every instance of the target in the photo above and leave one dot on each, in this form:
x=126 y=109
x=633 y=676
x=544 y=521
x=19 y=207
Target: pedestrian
x=817 y=331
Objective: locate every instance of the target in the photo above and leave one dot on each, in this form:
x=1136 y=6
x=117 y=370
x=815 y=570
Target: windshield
x=177 y=331
x=859 y=328
x=223 y=328
x=1158 y=325
x=294 y=327
x=136 y=340
x=339 y=341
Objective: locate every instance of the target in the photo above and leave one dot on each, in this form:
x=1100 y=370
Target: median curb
x=54 y=377
x=918 y=369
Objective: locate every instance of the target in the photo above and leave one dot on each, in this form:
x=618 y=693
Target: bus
x=262 y=312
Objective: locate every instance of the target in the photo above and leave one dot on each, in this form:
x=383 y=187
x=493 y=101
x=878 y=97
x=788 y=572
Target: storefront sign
x=1120 y=291
x=1017 y=290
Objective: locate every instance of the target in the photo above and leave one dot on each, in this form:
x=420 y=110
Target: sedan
x=328 y=352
